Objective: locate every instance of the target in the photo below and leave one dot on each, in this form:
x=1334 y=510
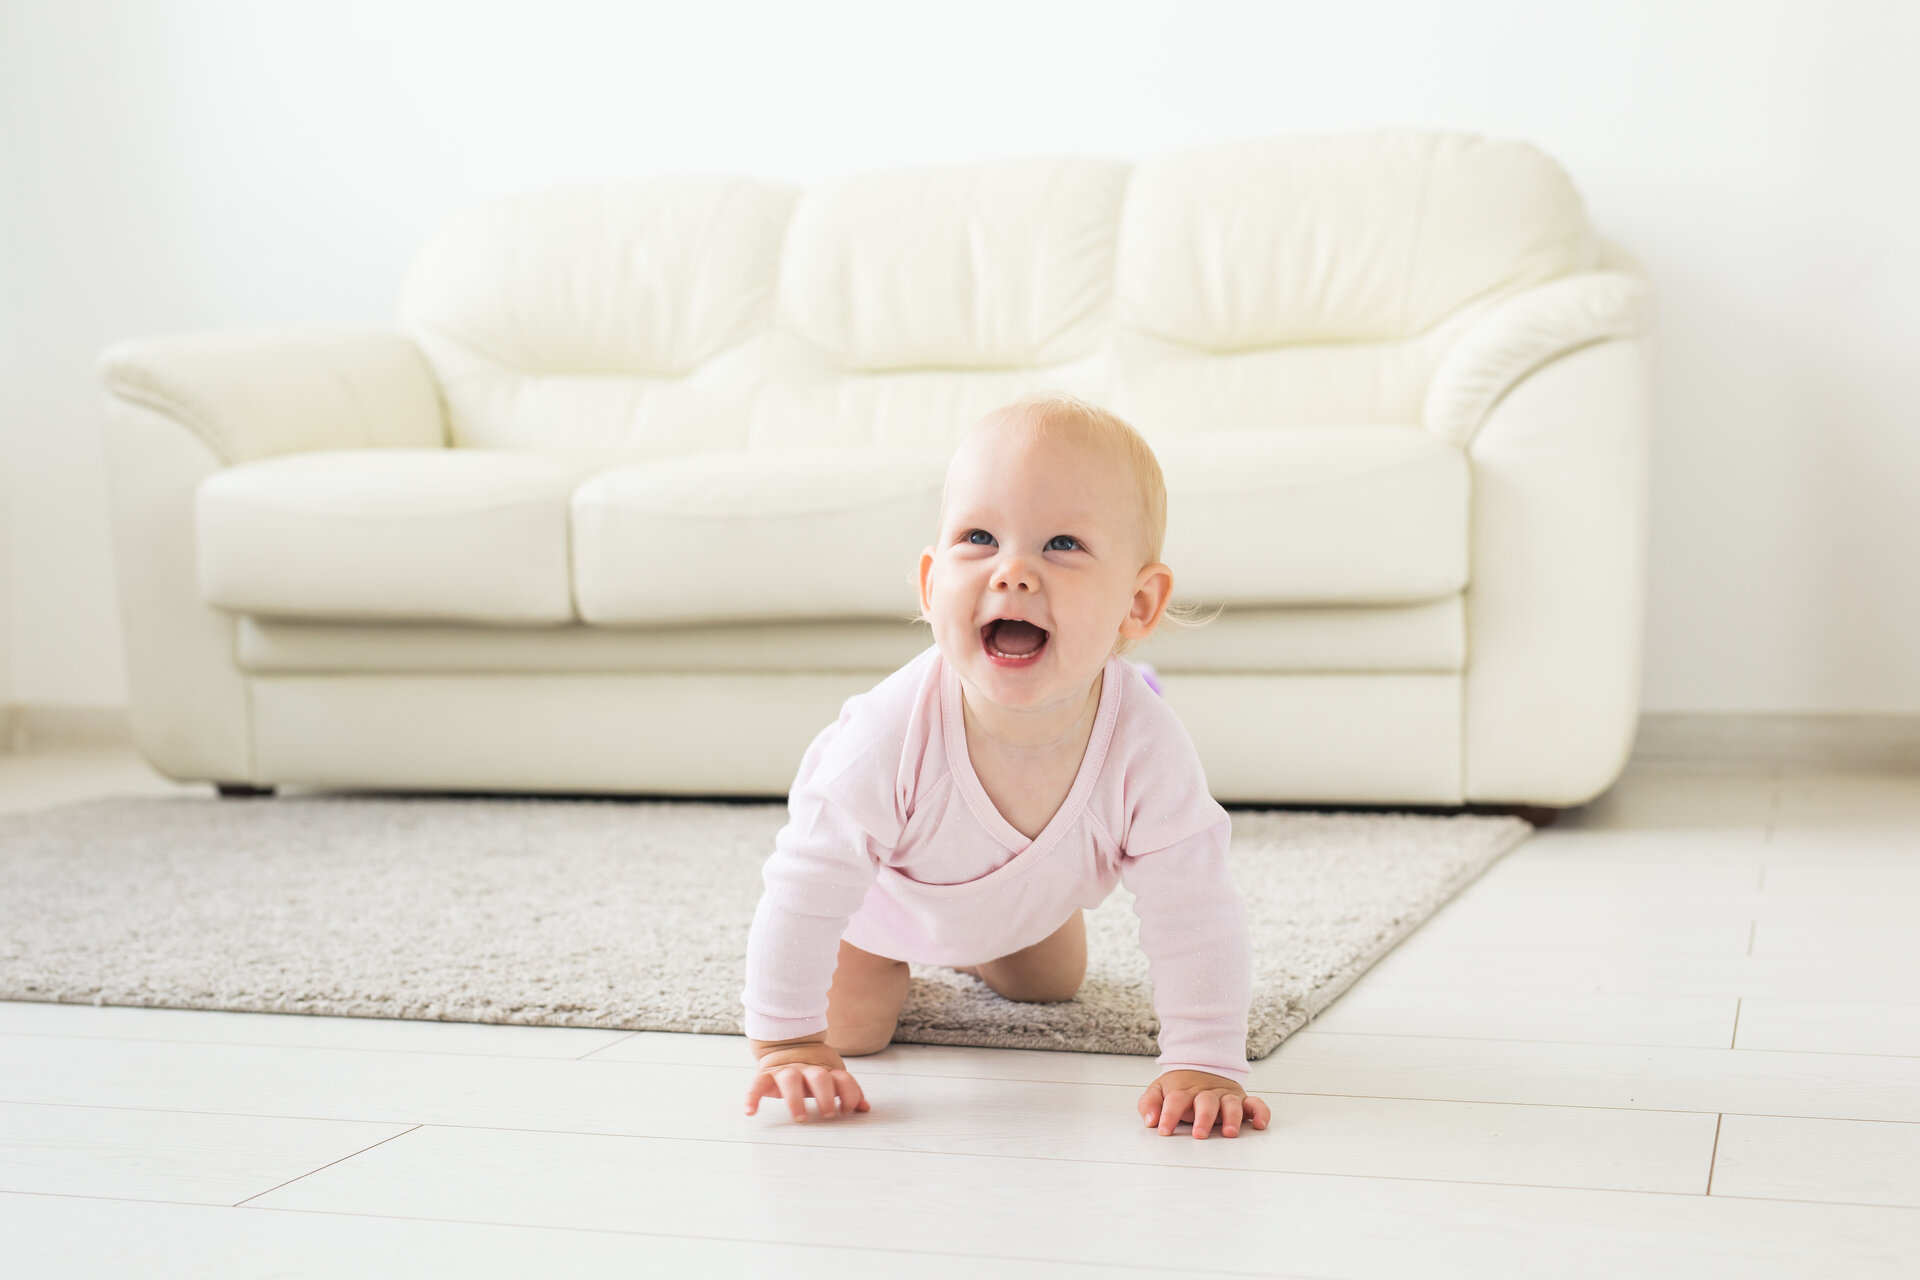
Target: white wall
x=176 y=166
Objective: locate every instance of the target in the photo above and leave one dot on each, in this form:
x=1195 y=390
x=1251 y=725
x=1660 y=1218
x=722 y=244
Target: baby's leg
x=863 y=1005
x=1049 y=970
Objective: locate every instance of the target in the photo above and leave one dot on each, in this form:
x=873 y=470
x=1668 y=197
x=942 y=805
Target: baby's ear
x=926 y=571
x=1151 y=592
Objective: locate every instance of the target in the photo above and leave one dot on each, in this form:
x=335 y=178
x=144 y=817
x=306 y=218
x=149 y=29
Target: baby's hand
x=1200 y=1096
x=791 y=1070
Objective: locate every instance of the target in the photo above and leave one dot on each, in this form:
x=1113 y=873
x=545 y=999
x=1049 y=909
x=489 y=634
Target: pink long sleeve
x=824 y=860
x=816 y=879
x=1194 y=932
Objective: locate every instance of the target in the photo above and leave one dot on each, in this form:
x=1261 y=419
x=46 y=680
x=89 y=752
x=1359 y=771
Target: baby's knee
x=1034 y=988
x=861 y=1039
x=864 y=1003
x=1051 y=992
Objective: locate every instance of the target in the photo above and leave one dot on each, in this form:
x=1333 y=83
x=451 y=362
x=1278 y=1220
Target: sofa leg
x=1539 y=815
x=242 y=791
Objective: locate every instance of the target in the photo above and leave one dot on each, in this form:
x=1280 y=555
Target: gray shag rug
x=628 y=914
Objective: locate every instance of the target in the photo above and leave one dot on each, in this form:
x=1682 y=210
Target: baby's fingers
x=1150 y=1105
x=852 y=1097
x=1206 y=1105
x=822 y=1082
x=793 y=1087
x=1258 y=1112
x=1174 y=1109
x=762 y=1087
x=1230 y=1115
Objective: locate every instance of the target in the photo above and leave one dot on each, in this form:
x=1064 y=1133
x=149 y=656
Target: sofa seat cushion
x=467 y=535
x=1321 y=515
x=1426 y=637
x=756 y=535
x=1315 y=515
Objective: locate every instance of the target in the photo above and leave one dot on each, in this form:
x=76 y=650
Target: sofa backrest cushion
x=603 y=319
x=1368 y=238
x=1292 y=280
x=1006 y=265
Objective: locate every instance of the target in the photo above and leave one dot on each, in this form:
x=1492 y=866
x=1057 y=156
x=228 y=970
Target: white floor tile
x=1086 y=1211
x=1845 y=863
x=1840 y=1161
x=1021 y=1119
x=53 y=1237
x=217 y=1027
x=1659 y=802
x=1581 y=860
x=1758 y=1082
x=1415 y=963
x=1831 y=1026
x=1839 y=926
x=1571 y=1016
x=167 y=1155
x=1549 y=920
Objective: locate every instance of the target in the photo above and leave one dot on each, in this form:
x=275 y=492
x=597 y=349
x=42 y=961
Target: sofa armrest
x=1525 y=332
x=257 y=393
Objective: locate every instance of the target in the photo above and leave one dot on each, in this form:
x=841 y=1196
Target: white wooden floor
x=1677 y=1034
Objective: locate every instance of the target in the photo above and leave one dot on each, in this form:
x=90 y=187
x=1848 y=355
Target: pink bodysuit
x=893 y=844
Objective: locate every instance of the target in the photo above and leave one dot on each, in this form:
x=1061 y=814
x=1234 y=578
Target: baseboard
x=30 y=726
x=1729 y=742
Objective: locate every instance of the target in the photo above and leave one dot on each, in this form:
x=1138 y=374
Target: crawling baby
x=966 y=810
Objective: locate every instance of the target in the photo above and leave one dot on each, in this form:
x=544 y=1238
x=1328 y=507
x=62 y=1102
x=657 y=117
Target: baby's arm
x=1193 y=929
x=816 y=878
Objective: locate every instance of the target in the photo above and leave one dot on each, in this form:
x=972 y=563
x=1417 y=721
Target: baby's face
x=1047 y=532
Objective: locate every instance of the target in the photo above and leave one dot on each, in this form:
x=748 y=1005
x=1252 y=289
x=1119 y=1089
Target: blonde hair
x=1055 y=415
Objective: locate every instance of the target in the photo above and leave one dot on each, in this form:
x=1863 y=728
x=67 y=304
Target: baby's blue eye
x=976 y=536
x=1061 y=537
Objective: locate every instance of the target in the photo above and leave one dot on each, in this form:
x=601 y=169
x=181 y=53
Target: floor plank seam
x=1636 y=1044
x=1914 y=1210
x=328 y=1165
x=236 y=1115
x=81 y=1195
x=786 y=1244
x=1635 y=949
x=659 y=1235
x=1591 y=1044
x=327 y=1048
x=1582 y=991
x=1241 y=1170
x=1278 y=1093
x=603 y=1048
x=1713 y=1157
x=484 y=1222
x=1694 y=1196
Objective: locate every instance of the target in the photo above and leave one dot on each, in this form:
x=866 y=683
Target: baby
x=966 y=810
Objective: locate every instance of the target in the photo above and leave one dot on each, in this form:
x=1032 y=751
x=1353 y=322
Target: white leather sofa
x=630 y=499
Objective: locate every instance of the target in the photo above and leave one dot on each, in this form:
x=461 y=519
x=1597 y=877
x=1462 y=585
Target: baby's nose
x=1015 y=573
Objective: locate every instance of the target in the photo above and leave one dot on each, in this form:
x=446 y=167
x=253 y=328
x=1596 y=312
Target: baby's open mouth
x=1013 y=642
